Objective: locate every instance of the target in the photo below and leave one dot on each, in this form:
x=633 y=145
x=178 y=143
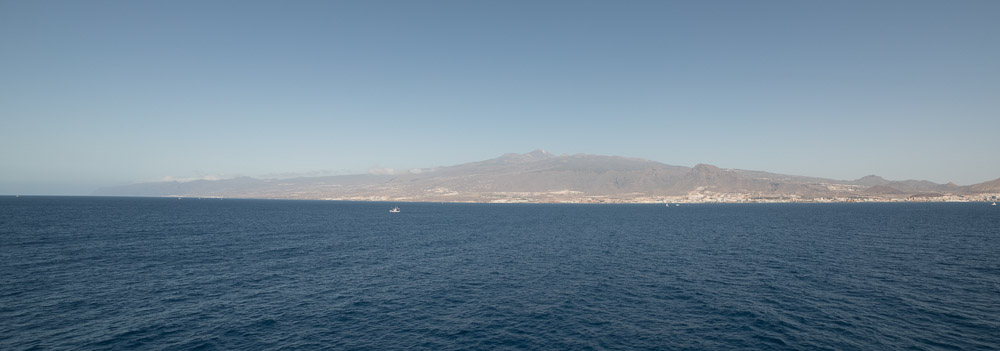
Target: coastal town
x=699 y=196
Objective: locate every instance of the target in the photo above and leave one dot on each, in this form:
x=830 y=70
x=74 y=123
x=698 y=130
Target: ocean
x=105 y=273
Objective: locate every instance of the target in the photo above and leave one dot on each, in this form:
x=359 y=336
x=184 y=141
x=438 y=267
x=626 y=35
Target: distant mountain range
x=539 y=176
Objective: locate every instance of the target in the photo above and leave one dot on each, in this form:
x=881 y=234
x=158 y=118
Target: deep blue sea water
x=156 y=273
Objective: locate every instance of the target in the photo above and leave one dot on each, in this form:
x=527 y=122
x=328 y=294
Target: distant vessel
x=994 y=204
x=675 y=205
x=668 y=204
x=394 y=210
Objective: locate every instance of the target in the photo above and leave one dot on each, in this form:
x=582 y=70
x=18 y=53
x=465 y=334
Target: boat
x=394 y=210
x=994 y=204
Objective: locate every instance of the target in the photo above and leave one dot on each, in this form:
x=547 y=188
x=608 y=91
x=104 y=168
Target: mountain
x=539 y=176
x=992 y=186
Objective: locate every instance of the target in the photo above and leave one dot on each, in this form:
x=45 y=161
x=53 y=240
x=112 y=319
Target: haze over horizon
x=106 y=93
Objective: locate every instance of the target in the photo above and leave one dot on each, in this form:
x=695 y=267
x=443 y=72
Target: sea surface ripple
x=166 y=274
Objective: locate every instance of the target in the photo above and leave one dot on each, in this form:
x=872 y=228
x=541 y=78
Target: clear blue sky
x=96 y=93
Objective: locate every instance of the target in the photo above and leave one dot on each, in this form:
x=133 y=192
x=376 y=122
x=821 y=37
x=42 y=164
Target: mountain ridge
x=539 y=176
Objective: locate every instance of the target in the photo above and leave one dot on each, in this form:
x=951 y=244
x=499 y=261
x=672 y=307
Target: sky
x=103 y=93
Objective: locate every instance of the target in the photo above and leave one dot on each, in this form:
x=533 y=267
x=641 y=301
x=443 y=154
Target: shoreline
x=986 y=198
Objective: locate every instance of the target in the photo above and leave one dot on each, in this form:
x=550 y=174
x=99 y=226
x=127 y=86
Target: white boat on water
x=994 y=204
x=394 y=210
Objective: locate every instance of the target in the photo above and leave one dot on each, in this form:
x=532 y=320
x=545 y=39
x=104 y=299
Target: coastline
x=600 y=199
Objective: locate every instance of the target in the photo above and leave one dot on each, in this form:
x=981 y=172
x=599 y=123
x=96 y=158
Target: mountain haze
x=539 y=176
